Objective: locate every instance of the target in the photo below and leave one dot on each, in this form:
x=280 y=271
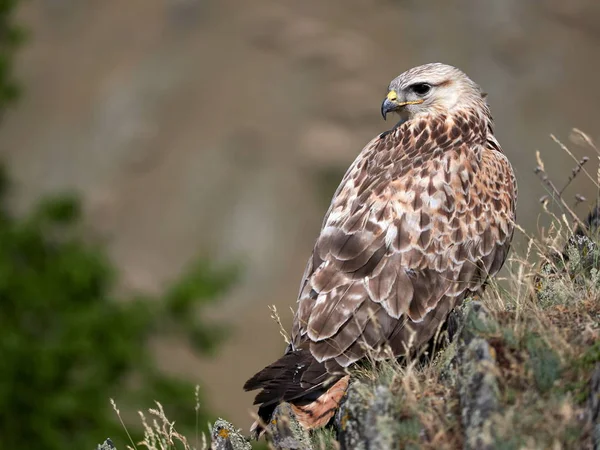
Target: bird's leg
x=318 y=413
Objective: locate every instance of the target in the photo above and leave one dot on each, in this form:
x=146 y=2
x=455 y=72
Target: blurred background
x=186 y=150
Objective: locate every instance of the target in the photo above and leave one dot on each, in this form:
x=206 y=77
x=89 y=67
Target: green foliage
x=11 y=36
x=67 y=345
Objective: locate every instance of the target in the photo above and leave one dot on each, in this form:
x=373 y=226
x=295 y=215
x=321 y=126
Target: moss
x=480 y=324
x=510 y=338
x=543 y=362
x=591 y=356
x=576 y=380
x=408 y=430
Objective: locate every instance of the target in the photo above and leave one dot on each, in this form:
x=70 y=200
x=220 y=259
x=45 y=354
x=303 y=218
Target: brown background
x=205 y=127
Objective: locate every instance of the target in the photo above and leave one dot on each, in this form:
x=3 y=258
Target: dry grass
x=160 y=432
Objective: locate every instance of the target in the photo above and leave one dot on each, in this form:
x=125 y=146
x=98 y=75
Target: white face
x=430 y=89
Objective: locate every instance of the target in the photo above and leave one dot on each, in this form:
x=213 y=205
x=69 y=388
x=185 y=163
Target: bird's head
x=431 y=89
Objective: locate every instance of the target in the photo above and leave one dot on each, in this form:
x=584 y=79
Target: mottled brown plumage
x=422 y=218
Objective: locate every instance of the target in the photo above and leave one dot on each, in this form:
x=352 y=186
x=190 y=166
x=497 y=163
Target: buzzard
x=421 y=219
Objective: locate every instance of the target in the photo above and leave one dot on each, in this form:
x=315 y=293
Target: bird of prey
x=421 y=219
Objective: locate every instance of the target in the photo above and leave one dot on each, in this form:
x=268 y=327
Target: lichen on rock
x=224 y=436
x=285 y=432
x=365 y=420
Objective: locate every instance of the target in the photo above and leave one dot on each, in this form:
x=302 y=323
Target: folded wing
x=407 y=235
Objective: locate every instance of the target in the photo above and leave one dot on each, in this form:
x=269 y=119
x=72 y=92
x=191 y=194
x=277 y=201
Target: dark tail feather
x=296 y=376
x=293 y=375
x=280 y=369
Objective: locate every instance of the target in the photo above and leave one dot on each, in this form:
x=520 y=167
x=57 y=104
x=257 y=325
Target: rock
x=471 y=369
x=285 y=432
x=224 y=436
x=365 y=421
x=479 y=394
x=106 y=445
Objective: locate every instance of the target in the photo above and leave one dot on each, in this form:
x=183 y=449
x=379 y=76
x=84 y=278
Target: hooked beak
x=391 y=104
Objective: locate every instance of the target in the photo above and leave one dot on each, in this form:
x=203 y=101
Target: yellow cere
x=392 y=96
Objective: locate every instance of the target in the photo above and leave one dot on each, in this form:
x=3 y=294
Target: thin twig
x=574 y=172
x=564 y=147
x=556 y=194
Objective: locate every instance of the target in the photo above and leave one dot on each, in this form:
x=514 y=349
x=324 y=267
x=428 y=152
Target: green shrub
x=67 y=345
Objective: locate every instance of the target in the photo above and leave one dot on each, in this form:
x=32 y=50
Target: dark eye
x=421 y=88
